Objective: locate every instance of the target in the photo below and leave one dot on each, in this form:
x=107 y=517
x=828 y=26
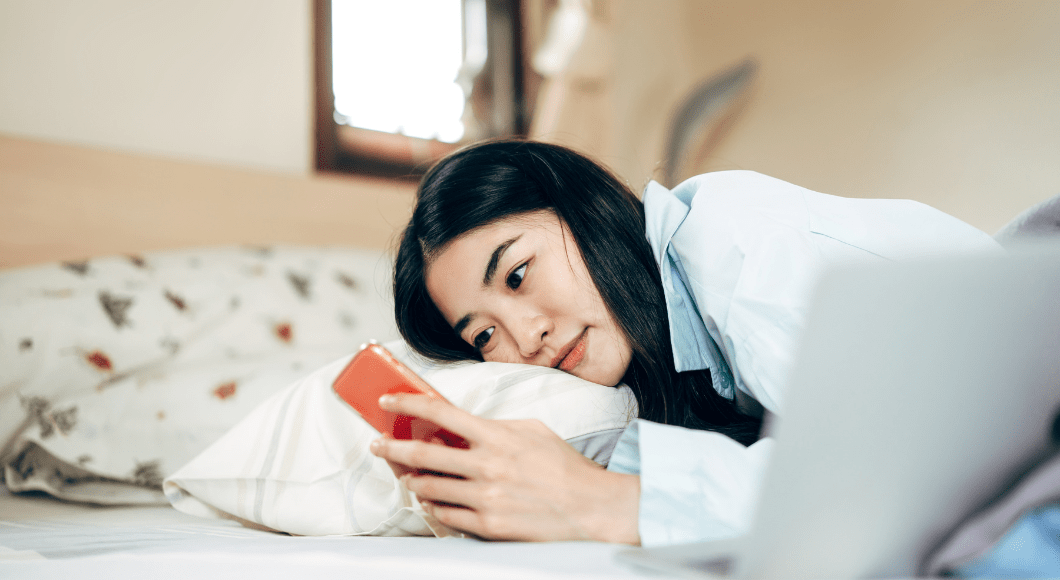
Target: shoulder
x=718 y=216
x=726 y=200
x=745 y=202
x=736 y=188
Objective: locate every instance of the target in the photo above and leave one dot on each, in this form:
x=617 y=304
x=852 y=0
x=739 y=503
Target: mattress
x=41 y=537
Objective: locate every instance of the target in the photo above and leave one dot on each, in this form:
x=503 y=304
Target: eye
x=516 y=277
x=483 y=338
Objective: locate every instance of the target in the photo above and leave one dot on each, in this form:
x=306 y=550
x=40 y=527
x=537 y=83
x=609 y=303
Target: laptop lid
x=919 y=391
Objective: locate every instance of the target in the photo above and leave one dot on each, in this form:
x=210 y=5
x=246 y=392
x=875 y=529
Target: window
x=401 y=83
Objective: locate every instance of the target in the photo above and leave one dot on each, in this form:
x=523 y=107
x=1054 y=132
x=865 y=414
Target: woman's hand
x=517 y=481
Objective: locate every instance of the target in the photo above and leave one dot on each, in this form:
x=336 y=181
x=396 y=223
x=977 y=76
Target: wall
x=952 y=103
x=225 y=82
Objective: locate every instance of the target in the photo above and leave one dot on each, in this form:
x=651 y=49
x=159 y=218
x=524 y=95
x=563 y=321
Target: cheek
x=620 y=355
x=502 y=353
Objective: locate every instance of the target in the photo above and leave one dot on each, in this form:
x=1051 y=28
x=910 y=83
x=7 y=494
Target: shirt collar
x=693 y=347
x=664 y=212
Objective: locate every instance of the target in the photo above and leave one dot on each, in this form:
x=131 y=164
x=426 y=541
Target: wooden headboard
x=62 y=202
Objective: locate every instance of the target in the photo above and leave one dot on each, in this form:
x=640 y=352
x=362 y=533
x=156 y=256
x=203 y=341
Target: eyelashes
x=482 y=339
x=513 y=281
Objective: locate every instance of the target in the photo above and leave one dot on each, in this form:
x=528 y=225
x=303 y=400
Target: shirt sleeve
x=694 y=485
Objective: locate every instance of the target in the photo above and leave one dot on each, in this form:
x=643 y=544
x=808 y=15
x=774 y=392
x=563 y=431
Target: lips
x=571 y=354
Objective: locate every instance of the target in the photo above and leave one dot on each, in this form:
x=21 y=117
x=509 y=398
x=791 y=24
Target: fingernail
x=386 y=400
x=375 y=445
x=426 y=505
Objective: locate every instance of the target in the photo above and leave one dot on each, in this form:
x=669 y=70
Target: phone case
x=375 y=372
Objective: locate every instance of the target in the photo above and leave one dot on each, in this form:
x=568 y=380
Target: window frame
x=346 y=149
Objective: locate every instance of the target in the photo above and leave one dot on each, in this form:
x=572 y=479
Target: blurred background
x=950 y=102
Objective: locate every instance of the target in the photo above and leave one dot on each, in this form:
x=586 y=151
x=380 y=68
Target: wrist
x=614 y=513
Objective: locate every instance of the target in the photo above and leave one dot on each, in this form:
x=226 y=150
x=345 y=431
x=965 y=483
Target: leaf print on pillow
x=347 y=281
x=116 y=307
x=37 y=411
x=225 y=390
x=79 y=268
x=300 y=284
x=35 y=404
x=176 y=300
x=35 y=462
x=35 y=407
x=99 y=360
x=148 y=473
x=284 y=332
x=27 y=463
x=64 y=421
x=25 y=344
x=137 y=260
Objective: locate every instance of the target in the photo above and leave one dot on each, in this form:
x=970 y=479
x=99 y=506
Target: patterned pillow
x=114 y=372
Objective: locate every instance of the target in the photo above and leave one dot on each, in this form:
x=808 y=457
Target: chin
x=604 y=378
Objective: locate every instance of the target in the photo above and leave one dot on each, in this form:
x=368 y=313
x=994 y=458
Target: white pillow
x=299 y=463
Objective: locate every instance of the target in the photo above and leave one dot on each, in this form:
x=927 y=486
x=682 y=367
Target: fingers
x=438 y=411
x=454 y=502
x=418 y=455
x=461 y=518
x=399 y=469
x=441 y=489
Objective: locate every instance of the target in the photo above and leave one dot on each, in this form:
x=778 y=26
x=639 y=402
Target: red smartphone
x=375 y=372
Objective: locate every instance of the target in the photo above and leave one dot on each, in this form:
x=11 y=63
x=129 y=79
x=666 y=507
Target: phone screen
x=375 y=372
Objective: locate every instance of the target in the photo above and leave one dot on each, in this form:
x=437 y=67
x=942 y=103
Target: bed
x=148 y=310
x=42 y=538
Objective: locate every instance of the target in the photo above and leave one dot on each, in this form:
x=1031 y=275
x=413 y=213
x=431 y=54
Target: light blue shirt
x=739 y=254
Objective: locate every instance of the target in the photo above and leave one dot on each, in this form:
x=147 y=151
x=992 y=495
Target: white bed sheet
x=41 y=537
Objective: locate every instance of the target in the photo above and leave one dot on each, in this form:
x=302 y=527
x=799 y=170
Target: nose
x=530 y=335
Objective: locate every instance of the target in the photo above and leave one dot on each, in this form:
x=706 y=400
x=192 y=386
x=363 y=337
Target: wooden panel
x=61 y=202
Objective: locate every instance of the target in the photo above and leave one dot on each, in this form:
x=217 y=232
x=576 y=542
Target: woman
x=531 y=253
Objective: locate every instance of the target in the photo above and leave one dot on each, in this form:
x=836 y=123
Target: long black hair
x=497 y=179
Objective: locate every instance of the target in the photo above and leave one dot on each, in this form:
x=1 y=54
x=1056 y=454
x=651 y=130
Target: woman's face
x=518 y=291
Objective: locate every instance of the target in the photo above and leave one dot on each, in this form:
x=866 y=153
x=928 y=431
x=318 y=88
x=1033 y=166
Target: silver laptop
x=920 y=392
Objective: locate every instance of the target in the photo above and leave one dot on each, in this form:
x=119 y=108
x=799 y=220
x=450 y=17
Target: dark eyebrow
x=462 y=324
x=491 y=268
x=487 y=279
